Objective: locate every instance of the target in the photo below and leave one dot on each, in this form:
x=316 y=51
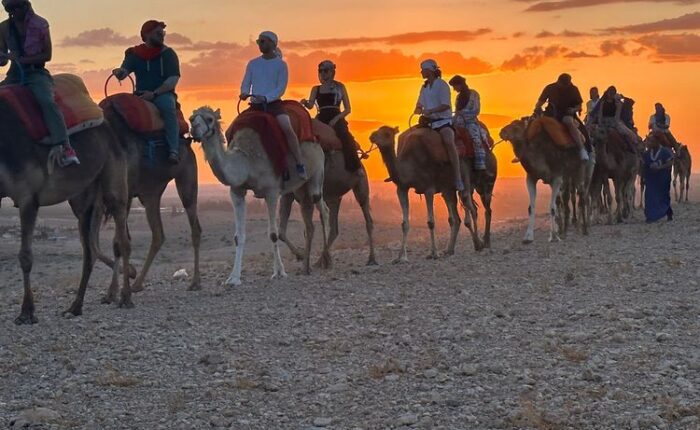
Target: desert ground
x=596 y=332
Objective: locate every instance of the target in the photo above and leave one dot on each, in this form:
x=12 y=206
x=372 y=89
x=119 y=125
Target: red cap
x=149 y=26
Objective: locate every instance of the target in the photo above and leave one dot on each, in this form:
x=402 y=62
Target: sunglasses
x=261 y=41
x=324 y=70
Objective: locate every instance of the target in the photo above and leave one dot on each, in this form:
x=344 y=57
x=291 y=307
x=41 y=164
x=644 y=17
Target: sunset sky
x=507 y=49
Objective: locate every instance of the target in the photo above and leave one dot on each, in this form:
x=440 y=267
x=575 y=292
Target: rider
x=264 y=83
x=564 y=102
x=610 y=112
x=435 y=104
x=467 y=109
x=661 y=122
x=591 y=105
x=328 y=97
x=157 y=70
x=25 y=40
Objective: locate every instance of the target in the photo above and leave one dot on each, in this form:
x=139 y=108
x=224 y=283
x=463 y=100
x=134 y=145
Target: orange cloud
x=690 y=21
x=99 y=37
x=548 y=6
x=673 y=47
x=395 y=39
x=533 y=57
x=566 y=33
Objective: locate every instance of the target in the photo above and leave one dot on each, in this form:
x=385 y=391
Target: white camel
x=243 y=165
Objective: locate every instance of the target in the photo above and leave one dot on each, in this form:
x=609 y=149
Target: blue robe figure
x=657 y=197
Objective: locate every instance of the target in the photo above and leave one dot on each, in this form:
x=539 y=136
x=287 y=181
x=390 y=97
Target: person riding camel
x=328 y=97
x=609 y=115
x=26 y=41
x=467 y=110
x=564 y=101
x=661 y=122
x=591 y=104
x=265 y=82
x=435 y=107
x=157 y=70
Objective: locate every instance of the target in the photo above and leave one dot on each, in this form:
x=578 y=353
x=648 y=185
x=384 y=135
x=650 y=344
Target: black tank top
x=609 y=108
x=328 y=106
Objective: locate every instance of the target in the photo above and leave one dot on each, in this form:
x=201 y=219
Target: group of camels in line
x=115 y=172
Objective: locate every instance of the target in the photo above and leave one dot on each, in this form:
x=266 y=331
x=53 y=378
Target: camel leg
x=687 y=184
x=239 y=210
x=402 y=194
x=151 y=204
x=619 y=200
x=361 y=192
x=532 y=193
x=97 y=250
x=122 y=243
x=85 y=219
x=334 y=209
x=277 y=265
x=454 y=220
x=553 y=225
x=675 y=190
x=307 y=213
x=286 y=203
x=28 y=214
x=429 y=205
x=486 y=202
x=326 y=260
x=471 y=220
x=187 y=189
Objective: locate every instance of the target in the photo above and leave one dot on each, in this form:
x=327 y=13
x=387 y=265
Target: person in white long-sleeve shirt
x=264 y=83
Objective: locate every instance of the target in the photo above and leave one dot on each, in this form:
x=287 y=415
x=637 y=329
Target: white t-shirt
x=266 y=78
x=432 y=96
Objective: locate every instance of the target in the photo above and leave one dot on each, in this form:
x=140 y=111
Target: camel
x=148 y=180
x=543 y=160
x=483 y=182
x=614 y=160
x=243 y=165
x=338 y=182
x=415 y=168
x=100 y=179
x=682 y=164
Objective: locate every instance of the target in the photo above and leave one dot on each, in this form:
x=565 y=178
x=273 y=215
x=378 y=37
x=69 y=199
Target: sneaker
x=173 y=158
x=459 y=185
x=69 y=156
x=301 y=171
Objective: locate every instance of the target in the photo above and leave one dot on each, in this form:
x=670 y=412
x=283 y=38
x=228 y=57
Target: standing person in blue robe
x=657 y=174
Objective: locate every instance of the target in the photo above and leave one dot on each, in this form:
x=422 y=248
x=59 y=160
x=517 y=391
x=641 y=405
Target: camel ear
x=396 y=130
x=218 y=114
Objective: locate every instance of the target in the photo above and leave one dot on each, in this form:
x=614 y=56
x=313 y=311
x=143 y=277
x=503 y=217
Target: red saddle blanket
x=464 y=138
x=430 y=140
x=141 y=116
x=271 y=135
x=79 y=110
x=662 y=139
x=556 y=131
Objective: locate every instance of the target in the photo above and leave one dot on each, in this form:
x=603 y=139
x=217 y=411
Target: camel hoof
x=137 y=288
x=126 y=304
x=109 y=299
x=400 y=260
x=448 y=253
x=233 y=282
x=195 y=286
x=528 y=241
x=372 y=261
x=26 y=319
x=279 y=276
x=74 y=310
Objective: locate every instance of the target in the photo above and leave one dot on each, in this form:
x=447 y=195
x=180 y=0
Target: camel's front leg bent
x=239 y=208
x=286 y=202
x=532 y=193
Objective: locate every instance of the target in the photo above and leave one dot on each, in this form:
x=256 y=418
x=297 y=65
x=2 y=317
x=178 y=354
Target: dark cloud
x=548 y=6
x=99 y=37
x=672 y=47
x=395 y=39
x=533 y=57
x=579 y=54
x=690 y=21
x=610 y=47
x=566 y=33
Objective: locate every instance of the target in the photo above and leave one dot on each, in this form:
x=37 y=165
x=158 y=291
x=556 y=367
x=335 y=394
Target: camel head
x=515 y=131
x=205 y=123
x=384 y=136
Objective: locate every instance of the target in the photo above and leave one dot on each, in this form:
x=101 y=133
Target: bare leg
x=187 y=189
x=572 y=125
x=286 y=202
x=277 y=265
x=28 y=216
x=238 y=200
x=151 y=204
x=292 y=138
x=448 y=137
x=402 y=193
x=532 y=193
x=361 y=192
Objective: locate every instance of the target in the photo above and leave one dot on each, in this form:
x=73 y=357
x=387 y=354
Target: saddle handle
x=238 y=106
x=133 y=84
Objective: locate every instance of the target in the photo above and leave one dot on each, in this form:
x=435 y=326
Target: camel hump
x=326 y=136
x=141 y=116
x=424 y=139
x=555 y=130
x=79 y=110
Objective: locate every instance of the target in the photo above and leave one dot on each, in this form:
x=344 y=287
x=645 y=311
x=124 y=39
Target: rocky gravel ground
x=597 y=332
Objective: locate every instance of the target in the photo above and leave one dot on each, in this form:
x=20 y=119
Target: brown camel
x=483 y=182
x=415 y=167
x=338 y=182
x=100 y=179
x=148 y=179
x=617 y=161
x=544 y=160
x=244 y=165
x=682 y=165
